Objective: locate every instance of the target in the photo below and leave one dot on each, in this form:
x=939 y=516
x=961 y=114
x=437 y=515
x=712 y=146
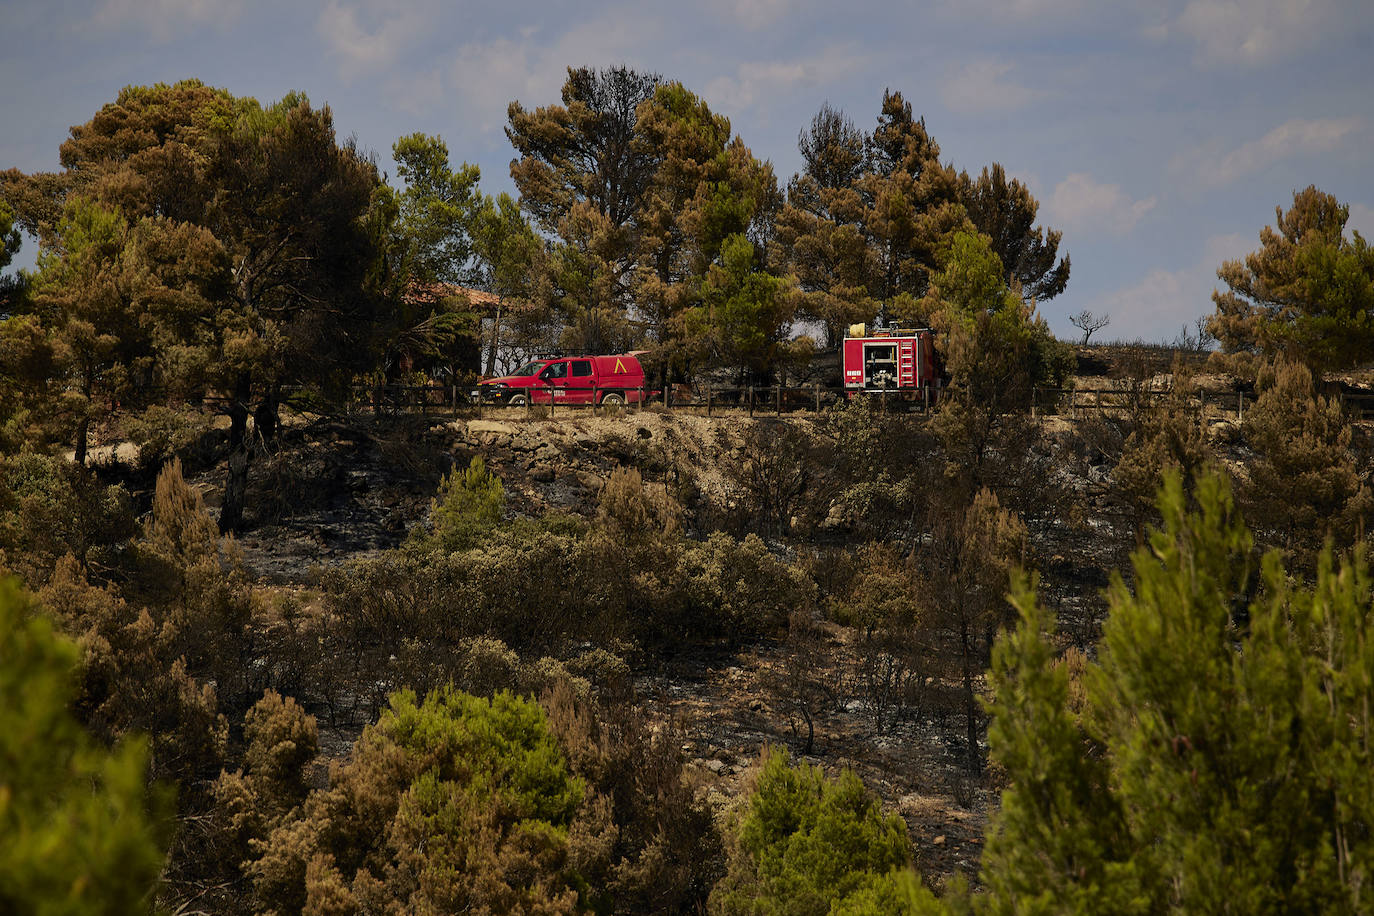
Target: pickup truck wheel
x=517 y=400
x=613 y=399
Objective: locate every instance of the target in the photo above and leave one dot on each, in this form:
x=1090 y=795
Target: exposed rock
x=476 y=427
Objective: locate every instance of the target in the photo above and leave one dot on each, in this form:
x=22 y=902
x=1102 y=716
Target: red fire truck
x=897 y=360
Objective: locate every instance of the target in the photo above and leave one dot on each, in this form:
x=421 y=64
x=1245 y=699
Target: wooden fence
x=776 y=400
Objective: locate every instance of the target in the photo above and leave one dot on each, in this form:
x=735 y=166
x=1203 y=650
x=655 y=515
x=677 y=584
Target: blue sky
x=1158 y=136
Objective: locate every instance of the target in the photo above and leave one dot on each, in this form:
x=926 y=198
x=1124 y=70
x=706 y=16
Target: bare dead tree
x=1089 y=323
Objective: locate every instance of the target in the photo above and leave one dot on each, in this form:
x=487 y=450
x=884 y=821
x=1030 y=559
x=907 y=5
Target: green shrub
x=740 y=591
x=163 y=433
x=50 y=507
x=456 y=804
x=1218 y=759
x=806 y=843
x=80 y=831
x=469 y=504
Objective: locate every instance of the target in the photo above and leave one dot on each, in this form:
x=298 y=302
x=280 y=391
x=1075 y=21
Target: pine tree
x=80 y=830
x=1304 y=486
x=811 y=845
x=1307 y=293
x=1217 y=757
x=469 y=503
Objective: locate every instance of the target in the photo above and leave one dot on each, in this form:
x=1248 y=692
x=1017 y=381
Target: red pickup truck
x=615 y=379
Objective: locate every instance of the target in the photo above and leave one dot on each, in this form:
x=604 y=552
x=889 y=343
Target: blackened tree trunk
x=83 y=428
x=82 y=434
x=971 y=712
x=266 y=419
x=236 y=486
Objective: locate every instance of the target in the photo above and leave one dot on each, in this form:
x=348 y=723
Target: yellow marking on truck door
x=619 y=366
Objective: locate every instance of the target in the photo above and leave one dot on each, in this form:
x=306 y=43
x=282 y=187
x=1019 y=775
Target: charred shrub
x=773 y=477
x=668 y=591
x=644 y=842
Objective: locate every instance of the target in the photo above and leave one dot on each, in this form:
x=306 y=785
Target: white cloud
x=1250 y=32
x=1080 y=203
x=1163 y=302
x=163 y=19
x=980 y=86
x=1361 y=220
x=1167 y=299
x=1213 y=166
x=755 y=81
x=1019 y=10
x=753 y=14
x=485 y=76
x=1233 y=247
x=360 y=47
x=419 y=93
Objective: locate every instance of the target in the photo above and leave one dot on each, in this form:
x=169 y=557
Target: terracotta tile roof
x=433 y=292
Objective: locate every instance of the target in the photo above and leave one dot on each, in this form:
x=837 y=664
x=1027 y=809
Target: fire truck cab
x=897 y=360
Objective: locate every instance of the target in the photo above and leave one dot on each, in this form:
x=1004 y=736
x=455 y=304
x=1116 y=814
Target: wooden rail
x=776 y=400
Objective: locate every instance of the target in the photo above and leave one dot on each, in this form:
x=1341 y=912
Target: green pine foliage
x=469 y=504
x=745 y=313
x=997 y=346
x=50 y=507
x=1305 y=294
x=80 y=830
x=807 y=844
x=454 y=804
x=1216 y=757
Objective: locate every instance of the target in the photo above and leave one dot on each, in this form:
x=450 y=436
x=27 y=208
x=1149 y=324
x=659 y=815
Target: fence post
x=529 y=402
x=666 y=388
x=1240 y=407
x=816 y=386
x=594 y=399
x=751 y=400
x=778 y=405
x=709 y=389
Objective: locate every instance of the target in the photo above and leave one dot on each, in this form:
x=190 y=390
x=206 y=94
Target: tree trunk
x=266 y=418
x=82 y=432
x=975 y=757
x=83 y=428
x=495 y=341
x=236 y=487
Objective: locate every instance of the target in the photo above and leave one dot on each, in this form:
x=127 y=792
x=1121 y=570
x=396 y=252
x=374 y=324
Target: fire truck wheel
x=613 y=399
x=516 y=400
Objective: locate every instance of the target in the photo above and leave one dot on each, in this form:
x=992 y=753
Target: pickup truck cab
x=571 y=380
